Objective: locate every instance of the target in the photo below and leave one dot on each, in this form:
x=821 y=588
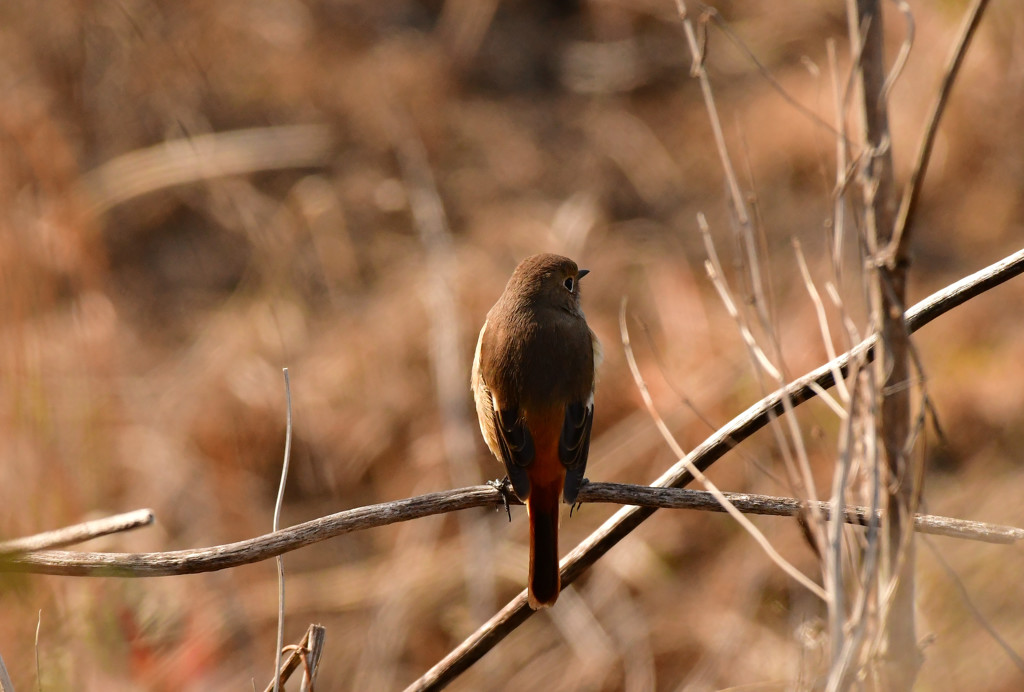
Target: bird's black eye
x=569 y=284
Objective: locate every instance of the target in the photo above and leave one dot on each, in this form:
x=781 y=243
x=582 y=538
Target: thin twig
x=39 y=626
x=749 y=503
x=78 y=533
x=969 y=603
x=912 y=191
x=701 y=74
x=717 y=494
x=799 y=468
x=896 y=633
x=826 y=334
x=715 y=16
x=277 y=521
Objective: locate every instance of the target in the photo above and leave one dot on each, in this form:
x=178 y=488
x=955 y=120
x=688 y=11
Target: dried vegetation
x=142 y=336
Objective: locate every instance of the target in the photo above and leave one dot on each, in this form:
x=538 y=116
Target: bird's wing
x=574 y=445
x=517 y=450
x=504 y=430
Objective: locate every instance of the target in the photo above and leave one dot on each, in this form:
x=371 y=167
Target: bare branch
x=912 y=191
x=251 y=550
x=698 y=71
x=178 y=562
x=720 y=497
x=79 y=533
x=39 y=626
x=968 y=602
x=679 y=498
x=277 y=521
x=901 y=657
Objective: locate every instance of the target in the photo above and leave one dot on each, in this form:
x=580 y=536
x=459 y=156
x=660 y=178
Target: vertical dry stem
x=900 y=656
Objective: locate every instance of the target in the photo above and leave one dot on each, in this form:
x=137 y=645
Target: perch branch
x=678 y=498
x=220 y=557
x=80 y=564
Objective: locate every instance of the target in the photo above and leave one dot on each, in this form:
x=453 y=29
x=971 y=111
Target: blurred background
x=195 y=195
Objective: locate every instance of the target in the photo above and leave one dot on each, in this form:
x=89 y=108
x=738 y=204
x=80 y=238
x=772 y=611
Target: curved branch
x=178 y=562
x=77 y=564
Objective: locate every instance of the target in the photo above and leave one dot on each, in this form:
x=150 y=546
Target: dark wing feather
x=517 y=449
x=574 y=446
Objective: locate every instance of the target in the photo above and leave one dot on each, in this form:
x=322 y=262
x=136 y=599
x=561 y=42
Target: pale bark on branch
x=179 y=562
x=79 y=533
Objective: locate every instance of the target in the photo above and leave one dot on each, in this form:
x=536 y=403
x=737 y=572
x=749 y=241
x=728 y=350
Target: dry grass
x=140 y=349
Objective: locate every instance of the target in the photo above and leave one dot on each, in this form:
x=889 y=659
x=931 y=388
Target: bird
x=533 y=380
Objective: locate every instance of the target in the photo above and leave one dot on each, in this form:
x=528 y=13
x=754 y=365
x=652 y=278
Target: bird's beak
x=581 y=273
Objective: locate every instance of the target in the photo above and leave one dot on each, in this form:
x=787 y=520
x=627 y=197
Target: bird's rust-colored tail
x=543 y=505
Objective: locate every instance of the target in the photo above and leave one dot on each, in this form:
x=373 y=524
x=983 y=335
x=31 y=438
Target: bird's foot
x=578 y=505
x=503 y=486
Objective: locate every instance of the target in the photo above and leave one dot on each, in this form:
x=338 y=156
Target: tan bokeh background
x=141 y=345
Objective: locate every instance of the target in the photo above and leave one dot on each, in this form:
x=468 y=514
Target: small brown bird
x=533 y=382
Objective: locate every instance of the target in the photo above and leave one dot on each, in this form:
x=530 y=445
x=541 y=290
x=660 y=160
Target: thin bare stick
x=826 y=335
x=719 y=496
x=715 y=16
x=39 y=626
x=770 y=505
x=969 y=603
x=307 y=651
x=912 y=191
x=622 y=523
x=277 y=521
x=78 y=533
x=798 y=468
x=194 y=561
x=698 y=71
x=896 y=638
